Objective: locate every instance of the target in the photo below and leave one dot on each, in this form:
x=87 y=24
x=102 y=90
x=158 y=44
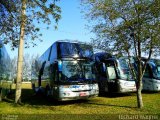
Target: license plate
x=82 y=94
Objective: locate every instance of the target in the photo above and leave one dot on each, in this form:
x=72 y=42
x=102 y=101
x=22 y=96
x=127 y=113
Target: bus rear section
x=113 y=74
x=67 y=75
x=151 y=78
x=5 y=72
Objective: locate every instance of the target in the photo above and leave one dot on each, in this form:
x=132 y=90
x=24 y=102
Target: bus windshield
x=124 y=71
x=77 y=71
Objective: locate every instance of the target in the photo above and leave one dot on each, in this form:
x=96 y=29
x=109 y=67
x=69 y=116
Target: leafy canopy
x=37 y=12
x=124 y=26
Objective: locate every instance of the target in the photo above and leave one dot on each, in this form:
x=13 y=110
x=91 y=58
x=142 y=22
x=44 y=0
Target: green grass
x=94 y=108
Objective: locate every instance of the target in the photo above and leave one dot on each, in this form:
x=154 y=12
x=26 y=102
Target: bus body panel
x=151 y=78
x=156 y=85
x=127 y=86
x=150 y=84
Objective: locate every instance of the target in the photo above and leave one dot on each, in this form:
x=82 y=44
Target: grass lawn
x=94 y=108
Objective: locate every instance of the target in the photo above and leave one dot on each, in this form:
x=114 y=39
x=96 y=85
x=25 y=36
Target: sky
x=71 y=26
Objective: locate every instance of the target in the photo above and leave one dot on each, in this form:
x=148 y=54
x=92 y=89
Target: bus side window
x=102 y=69
x=54 y=71
x=42 y=68
x=93 y=69
x=158 y=68
x=111 y=72
x=0 y=53
x=147 y=72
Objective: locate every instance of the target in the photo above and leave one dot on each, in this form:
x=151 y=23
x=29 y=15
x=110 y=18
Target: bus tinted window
x=68 y=49
x=156 y=70
x=111 y=72
x=0 y=54
x=53 y=52
x=124 y=70
x=147 y=73
x=111 y=69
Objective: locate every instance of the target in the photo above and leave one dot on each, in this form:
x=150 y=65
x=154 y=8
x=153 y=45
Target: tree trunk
x=139 y=86
x=20 y=53
x=139 y=94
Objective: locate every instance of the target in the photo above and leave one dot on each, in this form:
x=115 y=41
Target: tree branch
x=3 y=3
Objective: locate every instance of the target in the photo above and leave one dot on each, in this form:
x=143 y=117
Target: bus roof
x=72 y=41
x=67 y=40
x=103 y=55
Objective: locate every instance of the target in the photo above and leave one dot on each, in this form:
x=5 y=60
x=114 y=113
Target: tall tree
x=20 y=52
x=126 y=27
x=18 y=22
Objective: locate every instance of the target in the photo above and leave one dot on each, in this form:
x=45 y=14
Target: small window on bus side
x=54 y=72
x=0 y=53
x=53 y=54
x=111 y=72
x=158 y=68
x=102 y=69
x=147 y=71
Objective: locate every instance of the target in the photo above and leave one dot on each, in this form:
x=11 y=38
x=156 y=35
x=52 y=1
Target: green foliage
x=38 y=12
x=125 y=25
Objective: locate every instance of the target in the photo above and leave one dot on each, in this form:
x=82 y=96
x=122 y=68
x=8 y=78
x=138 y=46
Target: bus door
x=111 y=75
x=102 y=77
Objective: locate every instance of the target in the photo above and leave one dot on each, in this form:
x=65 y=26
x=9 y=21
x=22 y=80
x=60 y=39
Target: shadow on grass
x=150 y=92
x=117 y=95
x=30 y=98
x=110 y=105
x=40 y=99
x=37 y=100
